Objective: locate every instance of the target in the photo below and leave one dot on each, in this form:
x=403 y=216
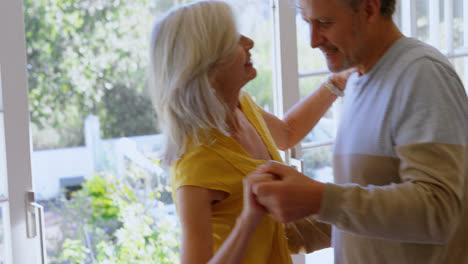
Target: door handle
x=34 y=219
x=298 y=164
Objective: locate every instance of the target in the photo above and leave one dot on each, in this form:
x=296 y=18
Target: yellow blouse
x=221 y=166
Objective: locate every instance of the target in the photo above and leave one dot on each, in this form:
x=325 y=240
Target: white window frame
x=286 y=93
x=407 y=15
x=17 y=147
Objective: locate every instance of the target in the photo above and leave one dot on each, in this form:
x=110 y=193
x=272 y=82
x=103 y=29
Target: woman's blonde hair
x=186 y=44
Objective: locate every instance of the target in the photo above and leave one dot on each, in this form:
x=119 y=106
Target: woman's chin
x=253 y=74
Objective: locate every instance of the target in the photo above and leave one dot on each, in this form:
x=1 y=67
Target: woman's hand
x=339 y=79
x=253 y=212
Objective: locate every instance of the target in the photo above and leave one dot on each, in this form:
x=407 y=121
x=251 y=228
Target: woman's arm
x=194 y=209
x=195 y=217
x=303 y=116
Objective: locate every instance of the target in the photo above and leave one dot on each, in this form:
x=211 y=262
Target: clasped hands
x=281 y=191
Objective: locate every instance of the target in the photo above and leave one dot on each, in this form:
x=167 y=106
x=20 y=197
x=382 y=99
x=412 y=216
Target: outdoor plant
x=103 y=207
x=115 y=219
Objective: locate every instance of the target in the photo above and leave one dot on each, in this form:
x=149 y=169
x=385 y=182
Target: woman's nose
x=247 y=42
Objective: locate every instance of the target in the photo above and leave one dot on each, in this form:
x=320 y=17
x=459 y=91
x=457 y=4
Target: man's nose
x=316 y=37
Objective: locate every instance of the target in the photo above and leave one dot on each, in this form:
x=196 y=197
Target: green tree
x=80 y=54
x=91 y=57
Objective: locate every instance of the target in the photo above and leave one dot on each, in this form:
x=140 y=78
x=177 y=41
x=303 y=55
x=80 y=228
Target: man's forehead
x=319 y=8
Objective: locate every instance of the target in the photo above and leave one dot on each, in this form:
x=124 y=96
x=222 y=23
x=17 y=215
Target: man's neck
x=383 y=37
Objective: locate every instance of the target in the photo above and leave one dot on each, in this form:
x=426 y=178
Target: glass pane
x=94 y=132
x=2 y=238
x=258 y=28
x=308 y=59
x=458 y=24
x=318 y=163
x=310 y=84
x=422 y=20
x=324 y=256
x=443 y=34
x=325 y=129
x=95 y=138
x=461 y=66
x=5 y=243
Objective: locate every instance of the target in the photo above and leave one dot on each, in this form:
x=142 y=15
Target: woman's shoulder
x=204 y=167
x=197 y=156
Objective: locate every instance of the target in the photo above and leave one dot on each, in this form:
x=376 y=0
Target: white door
x=15 y=165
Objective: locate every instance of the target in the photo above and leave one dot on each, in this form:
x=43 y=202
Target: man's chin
x=334 y=68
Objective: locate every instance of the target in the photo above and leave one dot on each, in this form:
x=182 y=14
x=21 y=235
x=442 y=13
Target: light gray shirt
x=400 y=163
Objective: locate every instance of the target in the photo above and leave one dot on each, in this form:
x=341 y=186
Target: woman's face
x=230 y=76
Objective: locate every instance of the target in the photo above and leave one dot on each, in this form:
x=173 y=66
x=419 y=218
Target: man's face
x=336 y=29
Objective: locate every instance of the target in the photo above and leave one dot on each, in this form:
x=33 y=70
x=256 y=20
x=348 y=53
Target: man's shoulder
x=412 y=51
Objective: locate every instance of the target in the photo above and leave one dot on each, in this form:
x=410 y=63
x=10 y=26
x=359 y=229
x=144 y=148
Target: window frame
x=286 y=94
x=17 y=148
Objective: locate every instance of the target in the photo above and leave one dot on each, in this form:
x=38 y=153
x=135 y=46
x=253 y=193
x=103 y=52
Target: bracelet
x=328 y=83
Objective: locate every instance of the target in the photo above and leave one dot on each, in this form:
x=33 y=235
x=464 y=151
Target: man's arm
x=420 y=209
x=424 y=208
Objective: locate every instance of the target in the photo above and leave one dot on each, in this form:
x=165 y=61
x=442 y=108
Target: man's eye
x=325 y=23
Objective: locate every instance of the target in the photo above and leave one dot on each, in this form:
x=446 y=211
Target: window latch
x=298 y=164
x=35 y=221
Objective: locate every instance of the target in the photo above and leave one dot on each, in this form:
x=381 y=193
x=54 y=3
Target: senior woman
x=216 y=134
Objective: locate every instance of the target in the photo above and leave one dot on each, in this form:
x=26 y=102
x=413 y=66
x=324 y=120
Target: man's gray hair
x=387 y=7
x=186 y=44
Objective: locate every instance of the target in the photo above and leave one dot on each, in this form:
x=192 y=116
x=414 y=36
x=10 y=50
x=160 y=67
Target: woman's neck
x=233 y=119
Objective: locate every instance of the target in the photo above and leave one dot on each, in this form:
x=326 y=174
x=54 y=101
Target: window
x=4 y=205
x=86 y=62
x=94 y=130
x=18 y=240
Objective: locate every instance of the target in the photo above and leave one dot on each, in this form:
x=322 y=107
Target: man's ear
x=371 y=9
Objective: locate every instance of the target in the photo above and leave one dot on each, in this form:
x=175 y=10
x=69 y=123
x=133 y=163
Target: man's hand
x=253 y=212
x=291 y=197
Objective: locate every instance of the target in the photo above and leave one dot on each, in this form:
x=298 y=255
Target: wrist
x=333 y=88
x=315 y=201
x=248 y=221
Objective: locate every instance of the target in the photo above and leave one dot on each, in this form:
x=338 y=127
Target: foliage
x=91 y=56
x=113 y=220
x=102 y=205
x=317 y=158
x=74 y=251
x=118 y=121
x=78 y=52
